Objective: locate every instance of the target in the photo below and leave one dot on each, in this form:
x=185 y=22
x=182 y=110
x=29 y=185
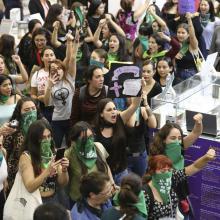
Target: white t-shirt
x=3 y=172
x=39 y=80
x=62 y=95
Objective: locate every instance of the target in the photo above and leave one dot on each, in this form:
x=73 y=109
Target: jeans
x=138 y=164
x=60 y=129
x=185 y=73
x=118 y=177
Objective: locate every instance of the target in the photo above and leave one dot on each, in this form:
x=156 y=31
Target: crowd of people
x=68 y=151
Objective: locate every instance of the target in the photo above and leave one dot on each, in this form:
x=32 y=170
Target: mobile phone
x=60 y=153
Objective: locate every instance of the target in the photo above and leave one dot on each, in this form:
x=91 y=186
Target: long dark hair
x=82 y=127
x=33 y=141
x=158 y=145
x=119 y=140
x=211 y=10
x=131 y=186
x=7 y=43
x=93 y=7
x=17 y=112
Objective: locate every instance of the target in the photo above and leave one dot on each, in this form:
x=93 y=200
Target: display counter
x=199 y=94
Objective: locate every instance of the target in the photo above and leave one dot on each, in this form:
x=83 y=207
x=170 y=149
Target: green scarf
x=204 y=19
x=140 y=205
x=162 y=182
x=144 y=42
x=173 y=151
x=79 y=55
x=79 y=15
x=4 y=99
x=184 y=48
x=112 y=56
x=86 y=152
x=27 y=119
x=154 y=56
x=1 y=157
x=46 y=153
x=149 y=19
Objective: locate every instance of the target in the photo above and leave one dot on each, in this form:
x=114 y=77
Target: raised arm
x=96 y=39
x=118 y=29
x=23 y=77
x=195 y=133
x=159 y=20
x=193 y=42
x=140 y=11
x=54 y=37
x=126 y=114
x=200 y=163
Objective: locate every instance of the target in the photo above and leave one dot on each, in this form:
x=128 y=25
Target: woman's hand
x=102 y=22
x=5 y=129
x=211 y=154
x=52 y=168
x=56 y=25
x=16 y=59
x=53 y=79
x=64 y=164
x=198 y=118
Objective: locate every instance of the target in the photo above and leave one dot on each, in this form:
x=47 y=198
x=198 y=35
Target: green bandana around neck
x=46 y=153
x=204 y=19
x=162 y=182
x=79 y=55
x=4 y=99
x=184 y=48
x=144 y=42
x=87 y=152
x=27 y=119
x=140 y=205
x=173 y=151
x=112 y=56
x=149 y=19
x=154 y=56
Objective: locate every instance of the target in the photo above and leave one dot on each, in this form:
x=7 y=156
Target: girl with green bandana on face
x=8 y=99
x=130 y=201
x=162 y=183
x=85 y=156
x=37 y=166
x=25 y=113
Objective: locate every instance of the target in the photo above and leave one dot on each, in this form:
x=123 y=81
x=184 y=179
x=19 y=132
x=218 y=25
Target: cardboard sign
x=186 y=6
x=124 y=80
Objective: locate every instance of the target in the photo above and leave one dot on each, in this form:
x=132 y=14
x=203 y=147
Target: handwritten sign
x=124 y=80
x=186 y=6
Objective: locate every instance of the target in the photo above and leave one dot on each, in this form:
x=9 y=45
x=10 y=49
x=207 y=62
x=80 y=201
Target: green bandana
x=79 y=55
x=144 y=42
x=46 y=153
x=86 y=152
x=27 y=119
x=4 y=99
x=162 y=182
x=154 y=56
x=149 y=19
x=79 y=15
x=1 y=157
x=112 y=57
x=204 y=19
x=184 y=48
x=140 y=205
x=173 y=151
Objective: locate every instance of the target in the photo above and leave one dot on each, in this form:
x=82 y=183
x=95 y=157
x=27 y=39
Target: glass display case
x=200 y=93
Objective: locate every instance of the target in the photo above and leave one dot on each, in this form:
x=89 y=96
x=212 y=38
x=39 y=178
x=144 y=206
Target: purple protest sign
x=205 y=185
x=186 y=6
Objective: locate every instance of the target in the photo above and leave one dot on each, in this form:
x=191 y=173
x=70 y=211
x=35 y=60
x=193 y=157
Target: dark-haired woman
x=85 y=156
x=163 y=182
x=39 y=6
x=25 y=41
x=86 y=98
x=8 y=98
x=208 y=21
x=130 y=201
x=25 y=113
x=110 y=131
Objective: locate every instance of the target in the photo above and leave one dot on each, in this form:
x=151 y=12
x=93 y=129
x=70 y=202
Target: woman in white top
x=8 y=99
x=60 y=90
x=208 y=21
